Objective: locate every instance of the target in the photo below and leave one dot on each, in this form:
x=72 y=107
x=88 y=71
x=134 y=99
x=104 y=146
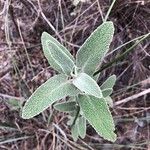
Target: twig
x=48 y=22
x=26 y=52
x=100 y=10
x=4 y=8
x=109 y=10
x=10 y=97
x=132 y=97
x=122 y=45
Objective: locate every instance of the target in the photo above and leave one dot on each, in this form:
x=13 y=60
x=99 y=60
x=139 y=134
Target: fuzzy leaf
x=70 y=120
x=52 y=90
x=74 y=132
x=73 y=113
x=109 y=83
x=97 y=113
x=82 y=127
x=88 y=85
x=57 y=55
x=107 y=92
x=95 y=47
x=65 y=106
x=109 y=101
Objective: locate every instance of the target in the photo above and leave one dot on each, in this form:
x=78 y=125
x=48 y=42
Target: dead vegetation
x=23 y=68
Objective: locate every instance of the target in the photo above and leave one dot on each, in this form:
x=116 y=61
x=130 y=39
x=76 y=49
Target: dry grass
x=23 y=68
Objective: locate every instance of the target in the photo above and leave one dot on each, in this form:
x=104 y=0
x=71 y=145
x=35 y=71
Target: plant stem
x=77 y=114
x=109 y=10
x=121 y=56
x=122 y=45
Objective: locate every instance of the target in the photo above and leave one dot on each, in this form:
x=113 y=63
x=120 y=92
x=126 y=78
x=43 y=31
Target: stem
x=135 y=39
x=109 y=10
x=121 y=56
x=77 y=114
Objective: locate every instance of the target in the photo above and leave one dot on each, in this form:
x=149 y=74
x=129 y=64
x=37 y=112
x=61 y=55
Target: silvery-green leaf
x=96 y=77
x=65 y=106
x=107 y=92
x=57 y=55
x=72 y=99
x=71 y=119
x=82 y=127
x=52 y=90
x=97 y=113
x=74 y=132
x=109 y=83
x=88 y=85
x=109 y=101
x=73 y=113
x=95 y=47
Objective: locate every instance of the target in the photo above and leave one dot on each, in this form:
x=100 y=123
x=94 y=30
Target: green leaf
x=65 y=106
x=107 y=92
x=73 y=113
x=74 y=132
x=109 y=83
x=109 y=101
x=97 y=113
x=70 y=120
x=81 y=127
x=52 y=90
x=88 y=85
x=95 y=47
x=57 y=55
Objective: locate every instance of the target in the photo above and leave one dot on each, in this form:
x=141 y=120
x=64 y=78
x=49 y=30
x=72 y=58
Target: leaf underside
x=91 y=53
x=65 y=106
x=52 y=90
x=97 y=113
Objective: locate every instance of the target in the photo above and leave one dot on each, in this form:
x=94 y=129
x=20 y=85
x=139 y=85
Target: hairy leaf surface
x=107 y=92
x=109 y=83
x=109 y=101
x=65 y=106
x=57 y=55
x=88 y=85
x=82 y=127
x=97 y=113
x=74 y=132
x=95 y=47
x=52 y=90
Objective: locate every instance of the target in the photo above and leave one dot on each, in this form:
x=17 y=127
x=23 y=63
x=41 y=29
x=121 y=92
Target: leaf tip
x=24 y=115
x=44 y=35
x=110 y=23
x=114 y=76
x=113 y=139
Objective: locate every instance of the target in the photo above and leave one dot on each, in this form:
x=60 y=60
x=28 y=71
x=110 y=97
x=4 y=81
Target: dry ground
x=23 y=68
